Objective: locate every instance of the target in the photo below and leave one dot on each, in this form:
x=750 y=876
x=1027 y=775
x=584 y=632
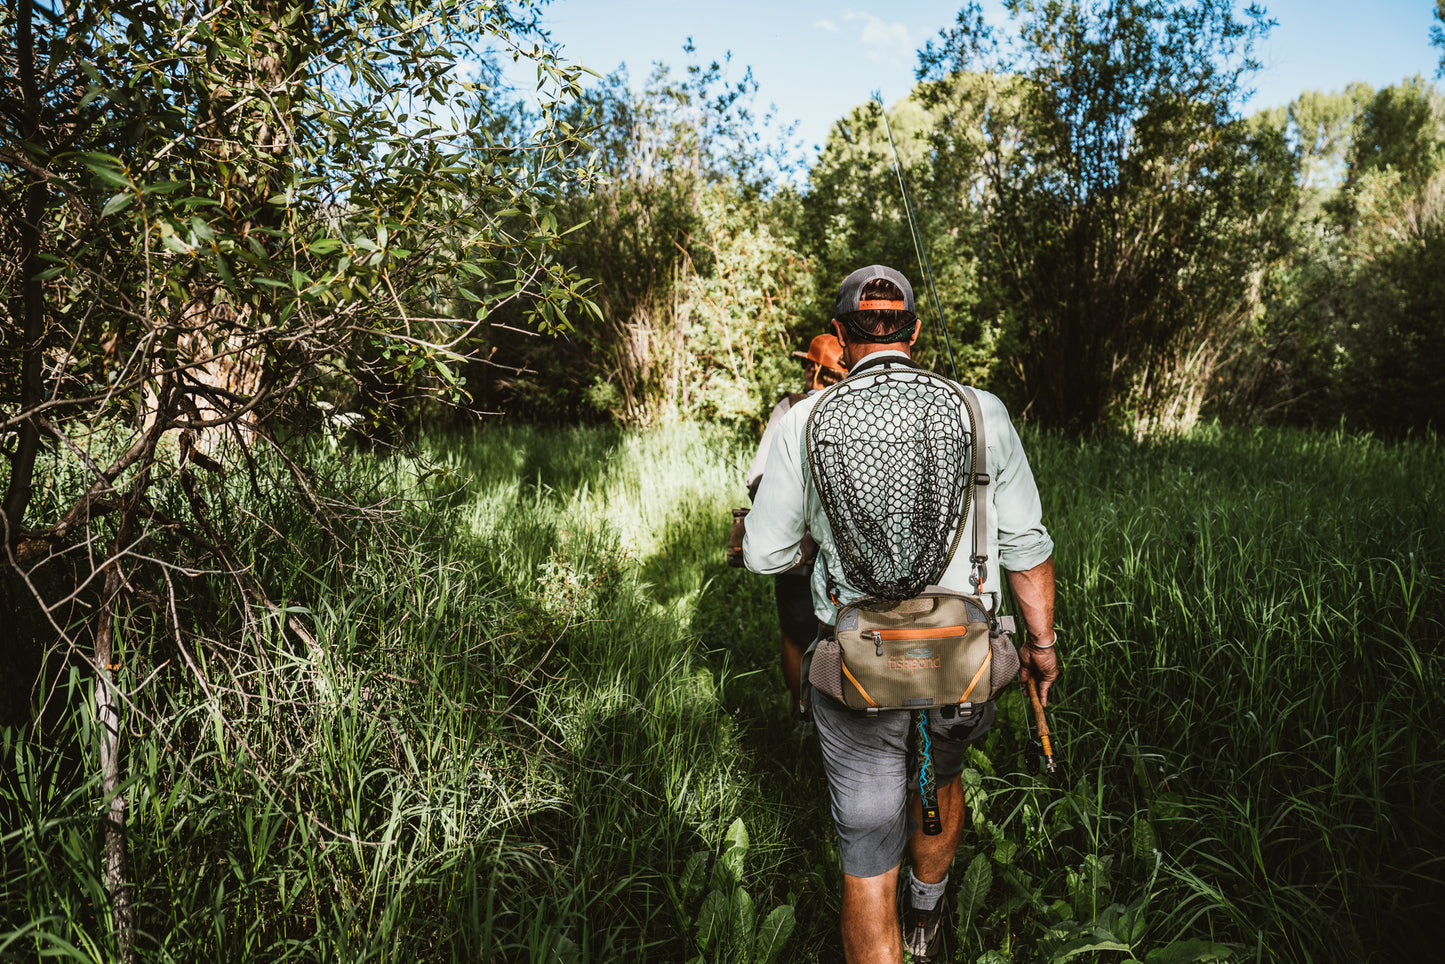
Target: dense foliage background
x=299 y=661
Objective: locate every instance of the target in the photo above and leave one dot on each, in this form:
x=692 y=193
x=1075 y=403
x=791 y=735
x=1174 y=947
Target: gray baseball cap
x=850 y=291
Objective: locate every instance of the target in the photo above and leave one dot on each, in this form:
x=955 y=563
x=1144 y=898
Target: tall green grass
x=546 y=724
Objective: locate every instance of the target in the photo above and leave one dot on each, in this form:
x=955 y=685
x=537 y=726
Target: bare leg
x=792 y=654
x=871 y=933
x=933 y=855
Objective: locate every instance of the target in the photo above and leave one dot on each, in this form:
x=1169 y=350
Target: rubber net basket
x=891 y=454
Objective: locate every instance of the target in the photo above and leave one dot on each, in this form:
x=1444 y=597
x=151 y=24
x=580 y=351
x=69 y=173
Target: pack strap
x=981 y=481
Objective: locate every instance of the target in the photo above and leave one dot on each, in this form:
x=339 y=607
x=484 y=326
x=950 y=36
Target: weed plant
x=545 y=723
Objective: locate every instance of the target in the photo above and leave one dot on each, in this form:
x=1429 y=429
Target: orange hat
x=825 y=350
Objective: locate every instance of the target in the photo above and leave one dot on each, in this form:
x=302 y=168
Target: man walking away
x=874 y=809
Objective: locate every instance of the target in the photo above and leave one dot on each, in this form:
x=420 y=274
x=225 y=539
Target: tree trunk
x=28 y=307
x=108 y=714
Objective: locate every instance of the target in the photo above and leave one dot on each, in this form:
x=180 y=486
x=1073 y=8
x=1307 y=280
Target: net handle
x=981 y=479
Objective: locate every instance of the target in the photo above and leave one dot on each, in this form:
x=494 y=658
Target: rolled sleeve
x=1023 y=542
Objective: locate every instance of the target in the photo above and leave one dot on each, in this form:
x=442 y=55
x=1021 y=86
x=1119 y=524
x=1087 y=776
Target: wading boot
x=922 y=933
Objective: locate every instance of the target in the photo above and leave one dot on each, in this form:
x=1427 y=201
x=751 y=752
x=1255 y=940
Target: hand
x=809 y=547
x=1041 y=666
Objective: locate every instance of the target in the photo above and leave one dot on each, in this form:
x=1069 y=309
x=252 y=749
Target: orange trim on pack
x=877 y=304
x=859 y=686
x=976 y=677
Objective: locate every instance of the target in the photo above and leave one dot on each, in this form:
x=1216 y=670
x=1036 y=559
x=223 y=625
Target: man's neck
x=855 y=352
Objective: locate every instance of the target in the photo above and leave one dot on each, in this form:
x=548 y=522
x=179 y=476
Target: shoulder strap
x=980 y=501
x=795 y=397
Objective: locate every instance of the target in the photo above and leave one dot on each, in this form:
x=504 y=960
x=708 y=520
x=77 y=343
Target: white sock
x=926 y=896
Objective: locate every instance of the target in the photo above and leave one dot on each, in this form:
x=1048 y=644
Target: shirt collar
x=890 y=356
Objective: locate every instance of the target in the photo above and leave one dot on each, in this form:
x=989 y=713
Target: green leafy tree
x=1321 y=127
x=1381 y=306
x=1399 y=129
x=698 y=282
x=1352 y=332
x=1276 y=369
x=222 y=219
x=1125 y=221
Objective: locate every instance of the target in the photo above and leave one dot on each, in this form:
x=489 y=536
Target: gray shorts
x=866 y=759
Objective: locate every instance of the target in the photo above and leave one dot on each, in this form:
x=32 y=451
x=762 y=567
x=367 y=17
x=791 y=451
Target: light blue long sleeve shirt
x=787 y=504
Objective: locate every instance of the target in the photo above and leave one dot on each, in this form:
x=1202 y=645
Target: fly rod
x=916 y=233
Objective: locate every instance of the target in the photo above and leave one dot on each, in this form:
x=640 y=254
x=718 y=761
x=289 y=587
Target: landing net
x=891 y=455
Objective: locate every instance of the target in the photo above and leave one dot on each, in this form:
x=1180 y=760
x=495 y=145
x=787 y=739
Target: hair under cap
x=850 y=292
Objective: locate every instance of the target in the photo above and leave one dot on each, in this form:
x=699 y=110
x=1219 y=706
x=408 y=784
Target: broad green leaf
x=711 y=918
x=109 y=169
x=737 y=836
x=773 y=933
x=565 y=951
x=1190 y=952
x=1088 y=944
x=693 y=875
x=1145 y=841
x=729 y=869
x=742 y=918
x=1167 y=806
x=1106 y=921
x=1132 y=922
x=973 y=888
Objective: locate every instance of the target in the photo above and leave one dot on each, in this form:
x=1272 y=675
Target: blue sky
x=815 y=59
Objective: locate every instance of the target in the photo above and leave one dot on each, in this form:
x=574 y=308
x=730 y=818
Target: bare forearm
x=1033 y=591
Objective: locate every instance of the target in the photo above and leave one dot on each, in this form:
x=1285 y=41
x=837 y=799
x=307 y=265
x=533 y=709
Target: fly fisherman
x=822 y=366
x=876 y=813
